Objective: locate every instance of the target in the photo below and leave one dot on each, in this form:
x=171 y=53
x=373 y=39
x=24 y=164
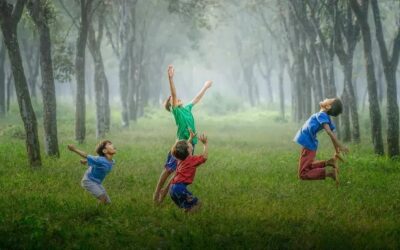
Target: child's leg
x=97 y=190
x=310 y=169
x=169 y=167
x=183 y=198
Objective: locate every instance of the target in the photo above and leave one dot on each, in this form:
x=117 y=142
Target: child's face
x=326 y=104
x=110 y=149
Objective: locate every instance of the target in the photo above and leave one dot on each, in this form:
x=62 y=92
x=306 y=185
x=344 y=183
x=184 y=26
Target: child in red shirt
x=185 y=172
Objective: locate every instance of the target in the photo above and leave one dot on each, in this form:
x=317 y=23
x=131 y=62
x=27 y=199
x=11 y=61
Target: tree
x=390 y=63
x=346 y=27
x=100 y=78
x=2 y=81
x=361 y=12
x=41 y=13
x=9 y=18
x=80 y=113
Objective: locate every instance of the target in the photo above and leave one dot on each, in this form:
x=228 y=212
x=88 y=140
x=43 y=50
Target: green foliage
x=251 y=196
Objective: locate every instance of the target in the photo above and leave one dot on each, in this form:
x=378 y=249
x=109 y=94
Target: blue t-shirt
x=98 y=168
x=307 y=135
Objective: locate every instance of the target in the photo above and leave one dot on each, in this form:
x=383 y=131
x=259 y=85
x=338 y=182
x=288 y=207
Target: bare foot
x=331 y=162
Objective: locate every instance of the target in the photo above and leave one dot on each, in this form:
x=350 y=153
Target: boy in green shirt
x=185 y=123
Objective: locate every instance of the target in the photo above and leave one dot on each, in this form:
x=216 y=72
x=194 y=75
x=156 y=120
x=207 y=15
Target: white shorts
x=95 y=189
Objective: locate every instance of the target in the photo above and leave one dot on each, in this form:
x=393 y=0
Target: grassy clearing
x=249 y=189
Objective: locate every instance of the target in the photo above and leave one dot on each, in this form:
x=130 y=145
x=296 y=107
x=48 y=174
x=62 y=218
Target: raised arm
x=203 y=138
x=171 y=72
x=79 y=152
x=200 y=95
x=338 y=146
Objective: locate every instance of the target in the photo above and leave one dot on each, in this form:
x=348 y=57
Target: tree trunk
x=281 y=91
x=37 y=10
x=80 y=113
x=375 y=113
x=389 y=67
x=100 y=82
x=2 y=81
x=8 y=24
x=9 y=91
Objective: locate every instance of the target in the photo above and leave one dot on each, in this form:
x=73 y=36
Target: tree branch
x=379 y=32
x=69 y=14
x=396 y=50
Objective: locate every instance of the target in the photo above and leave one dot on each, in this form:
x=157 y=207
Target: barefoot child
x=185 y=172
x=185 y=123
x=309 y=169
x=98 y=167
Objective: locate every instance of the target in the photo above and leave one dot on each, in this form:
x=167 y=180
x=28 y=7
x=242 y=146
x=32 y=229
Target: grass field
x=249 y=189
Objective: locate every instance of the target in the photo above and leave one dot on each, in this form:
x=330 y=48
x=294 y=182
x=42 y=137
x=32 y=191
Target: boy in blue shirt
x=309 y=169
x=98 y=167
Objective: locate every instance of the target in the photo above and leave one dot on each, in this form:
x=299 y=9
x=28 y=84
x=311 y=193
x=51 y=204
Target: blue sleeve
x=93 y=160
x=323 y=118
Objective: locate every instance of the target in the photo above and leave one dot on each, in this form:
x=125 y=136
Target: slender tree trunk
x=80 y=113
x=389 y=67
x=37 y=10
x=8 y=24
x=375 y=113
x=9 y=91
x=281 y=91
x=48 y=93
x=2 y=81
x=100 y=82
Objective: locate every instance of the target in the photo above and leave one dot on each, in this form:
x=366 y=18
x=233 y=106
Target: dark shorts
x=171 y=162
x=181 y=196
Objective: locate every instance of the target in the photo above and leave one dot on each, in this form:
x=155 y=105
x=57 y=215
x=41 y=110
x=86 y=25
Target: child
x=98 y=168
x=307 y=138
x=185 y=172
x=185 y=123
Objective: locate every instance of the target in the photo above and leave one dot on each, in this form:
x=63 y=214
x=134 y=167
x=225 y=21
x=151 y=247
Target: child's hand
x=83 y=161
x=192 y=135
x=171 y=71
x=203 y=139
x=71 y=147
x=163 y=193
x=208 y=84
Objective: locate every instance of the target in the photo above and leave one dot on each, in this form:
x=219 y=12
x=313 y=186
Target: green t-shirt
x=184 y=120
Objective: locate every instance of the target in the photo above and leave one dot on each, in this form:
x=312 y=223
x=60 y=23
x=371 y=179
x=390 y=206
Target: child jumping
x=309 y=169
x=98 y=167
x=185 y=123
x=185 y=172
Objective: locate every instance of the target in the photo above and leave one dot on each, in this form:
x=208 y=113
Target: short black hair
x=336 y=108
x=101 y=146
x=180 y=150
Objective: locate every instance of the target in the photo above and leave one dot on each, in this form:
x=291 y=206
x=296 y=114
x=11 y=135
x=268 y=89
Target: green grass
x=249 y=188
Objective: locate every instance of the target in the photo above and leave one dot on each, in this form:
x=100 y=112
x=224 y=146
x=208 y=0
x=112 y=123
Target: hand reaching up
x=171 y=71
x=203 y=138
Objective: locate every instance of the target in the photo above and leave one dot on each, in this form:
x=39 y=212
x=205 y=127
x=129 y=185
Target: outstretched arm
x=203 y=138
x=207 y=85
x=171 y=72
x=338 y=146
x=75 y=150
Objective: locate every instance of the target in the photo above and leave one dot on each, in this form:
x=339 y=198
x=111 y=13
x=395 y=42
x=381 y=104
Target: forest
x=76 y=72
